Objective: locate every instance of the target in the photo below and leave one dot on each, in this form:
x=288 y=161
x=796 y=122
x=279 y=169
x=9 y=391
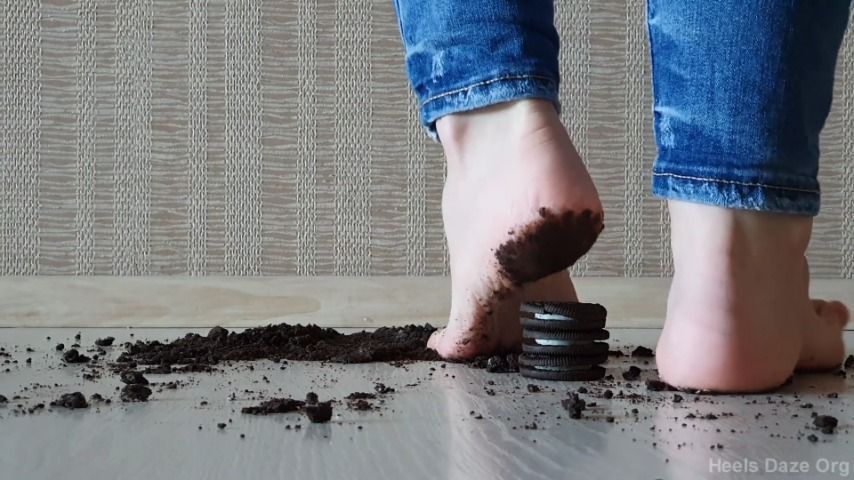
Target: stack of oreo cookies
x=563 y=341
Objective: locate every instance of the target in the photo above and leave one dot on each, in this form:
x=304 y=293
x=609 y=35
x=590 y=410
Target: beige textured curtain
x=244 y=137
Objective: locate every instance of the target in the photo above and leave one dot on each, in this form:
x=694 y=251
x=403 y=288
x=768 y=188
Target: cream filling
x=560 y=343
x=562 y=369
x=550 y=316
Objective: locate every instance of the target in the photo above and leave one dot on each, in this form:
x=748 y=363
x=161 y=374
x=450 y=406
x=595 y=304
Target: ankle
x=465 y=135
x=738 y=235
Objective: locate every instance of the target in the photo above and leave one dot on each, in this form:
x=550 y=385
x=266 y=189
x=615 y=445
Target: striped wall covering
x=262 y=137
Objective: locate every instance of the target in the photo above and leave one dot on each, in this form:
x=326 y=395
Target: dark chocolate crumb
x=826 y=423
x=318 y=413
x=657 y=385
x=70 y=400
x=382 y=389
x=286 y=342
x=643 y=352
x=73 y=356
x=135 y=393
x=132 y=377
x=274 y=405
x=105 y=342
x=633 y=373
x=574 y=405
x=360 y=396
x=360 y=404
x=217 y=334
x=496 y=364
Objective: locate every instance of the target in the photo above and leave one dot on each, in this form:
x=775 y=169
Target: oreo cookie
x=563 y=341
x=567 y=309
x=577 y=374
x=566 y=337
x=562 y=315
x=560 y=361
x=538 y=346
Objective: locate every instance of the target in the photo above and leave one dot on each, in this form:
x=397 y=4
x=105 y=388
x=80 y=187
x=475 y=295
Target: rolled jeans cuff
x=742 y=194
x=485 y=93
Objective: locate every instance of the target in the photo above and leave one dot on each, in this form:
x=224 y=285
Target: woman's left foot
x=739 y=316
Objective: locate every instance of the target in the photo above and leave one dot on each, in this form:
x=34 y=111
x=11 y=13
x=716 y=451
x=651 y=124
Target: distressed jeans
x=741 y=88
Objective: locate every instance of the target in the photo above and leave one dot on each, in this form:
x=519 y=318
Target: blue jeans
x=742 y=88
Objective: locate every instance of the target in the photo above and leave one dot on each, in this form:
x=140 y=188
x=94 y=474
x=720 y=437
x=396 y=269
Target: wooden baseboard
x=341 y=302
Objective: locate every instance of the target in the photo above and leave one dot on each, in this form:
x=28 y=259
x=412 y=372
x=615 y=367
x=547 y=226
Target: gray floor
x=425 y=430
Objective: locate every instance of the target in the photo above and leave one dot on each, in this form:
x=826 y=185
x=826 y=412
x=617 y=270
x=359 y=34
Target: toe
x=452 y=346
x=837 y=312
x=833 y=312
x=435 y=339
x=823 y=348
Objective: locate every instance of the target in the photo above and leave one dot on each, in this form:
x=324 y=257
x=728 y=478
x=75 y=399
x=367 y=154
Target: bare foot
x=739 y=316
x=518 y=206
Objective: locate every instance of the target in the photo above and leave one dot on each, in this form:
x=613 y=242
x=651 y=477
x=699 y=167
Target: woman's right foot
x=518 y=206
x=739 y=316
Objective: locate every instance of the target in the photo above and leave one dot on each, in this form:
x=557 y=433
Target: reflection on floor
x=442 y=421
